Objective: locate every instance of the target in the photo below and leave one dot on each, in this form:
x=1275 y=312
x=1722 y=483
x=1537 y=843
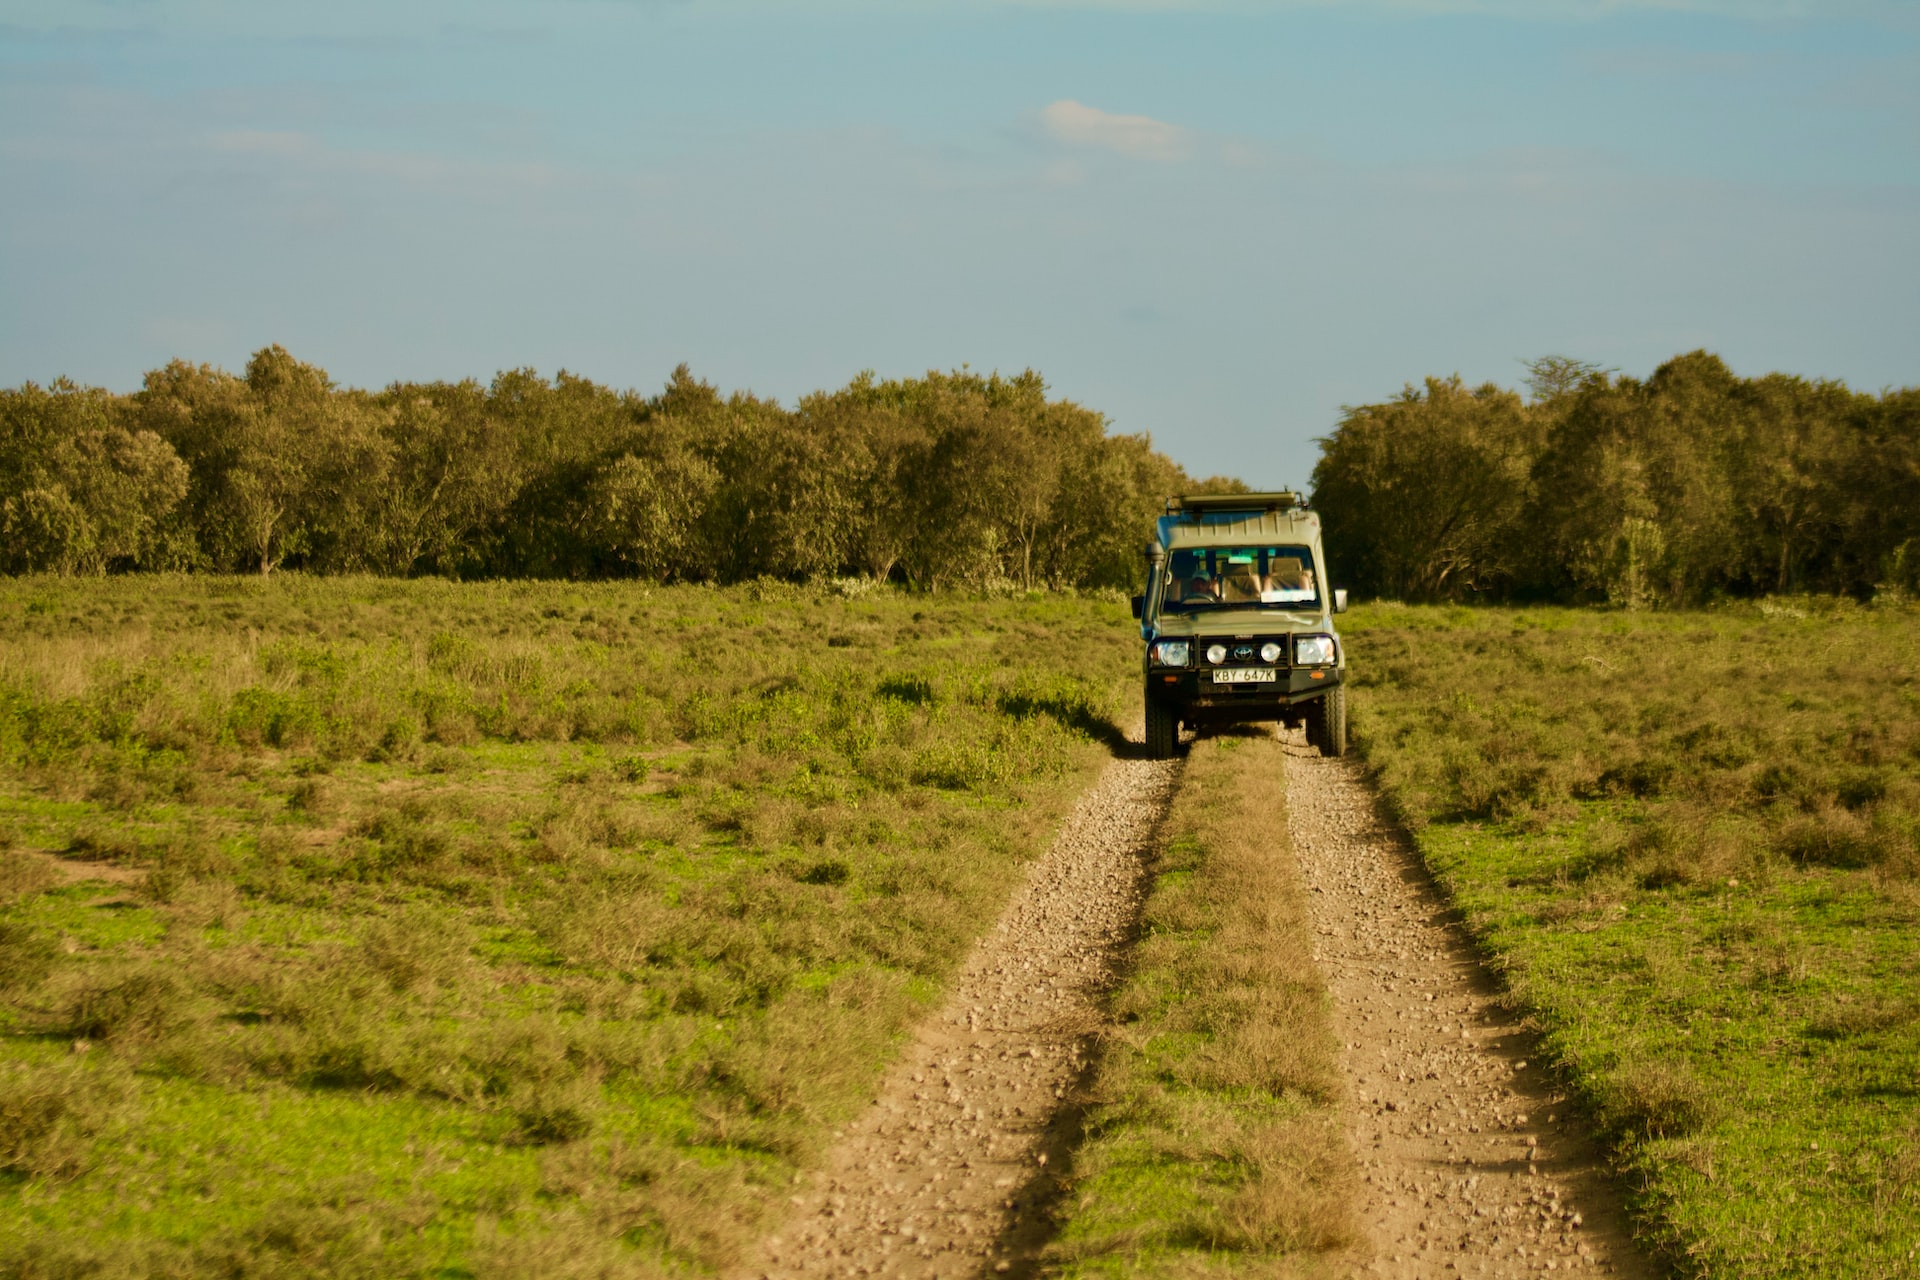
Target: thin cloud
x=1079 y=125
x=305 y=153
x=270 y=142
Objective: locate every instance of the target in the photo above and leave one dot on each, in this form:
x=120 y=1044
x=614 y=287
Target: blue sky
x=1217 y=223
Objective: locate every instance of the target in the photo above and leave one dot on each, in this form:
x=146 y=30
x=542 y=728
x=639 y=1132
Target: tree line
x=952 y=479
x=1689 y=485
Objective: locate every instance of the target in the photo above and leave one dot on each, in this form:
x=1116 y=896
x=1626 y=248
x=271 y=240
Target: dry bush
x=1300 y=1200
x=124 y=1005
x=27 y=955
x=571 y=1247
x=294 y=1240
x=205 y=905
x=1897 y=1181
x=1655 y=1099
x=314 y=797
x=627 y=1207
x=52 y=1113
x=23 y=874
x=552 y=1112
x=1831 y=837
x=511 y=1057
x=1685 y=844
x=1845 y=1016
x=1510 y=714
x=786 y=1080
x=417 y=946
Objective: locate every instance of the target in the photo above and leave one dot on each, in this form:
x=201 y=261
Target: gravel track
x=1473 y=1165
x=946 y=1173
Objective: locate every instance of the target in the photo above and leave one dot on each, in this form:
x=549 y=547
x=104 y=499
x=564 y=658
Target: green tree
x=278 y=461
x=1422 y=495
x=646 y=511
x=562 y=433
x=452 y=469
x=882 y=445
x=79 y=490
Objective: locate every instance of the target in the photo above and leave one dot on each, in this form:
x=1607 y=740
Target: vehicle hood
x=1235 y=622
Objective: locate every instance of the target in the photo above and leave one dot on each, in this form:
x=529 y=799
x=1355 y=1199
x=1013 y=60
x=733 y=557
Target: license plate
x=1244 y=675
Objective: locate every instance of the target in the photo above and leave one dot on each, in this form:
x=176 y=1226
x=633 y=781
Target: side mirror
x=1339 y=599
x=1139 y=606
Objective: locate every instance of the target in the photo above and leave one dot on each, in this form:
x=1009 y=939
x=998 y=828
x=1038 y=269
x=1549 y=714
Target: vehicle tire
x=1327 y=726
x=1163 y=729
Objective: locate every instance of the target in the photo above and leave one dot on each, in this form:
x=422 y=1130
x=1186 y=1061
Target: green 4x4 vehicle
x=1237 y=622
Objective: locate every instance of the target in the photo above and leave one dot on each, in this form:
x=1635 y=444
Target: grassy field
x=1692 y=841
x=372 y=928
x=1213 y=1135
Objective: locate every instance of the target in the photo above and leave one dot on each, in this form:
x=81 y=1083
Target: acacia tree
x=79 y=491
x=1878 y=483
x=1422 y=495
x=562 y=432
x=881 y=446
x=646 y=511
x=452 y=470
x=787 y=504
x=1786 y=470
x=1111 y=488
x=277 y=460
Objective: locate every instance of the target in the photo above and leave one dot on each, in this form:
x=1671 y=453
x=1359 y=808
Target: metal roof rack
x=1250 y=502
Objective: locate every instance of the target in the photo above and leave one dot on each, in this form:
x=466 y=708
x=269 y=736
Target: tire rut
x=1472 y=1163
x=946 y=1174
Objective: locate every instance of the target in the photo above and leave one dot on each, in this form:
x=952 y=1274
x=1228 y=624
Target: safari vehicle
x=1238 y=621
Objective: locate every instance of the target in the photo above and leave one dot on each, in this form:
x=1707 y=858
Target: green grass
x=1213 y=1134
x=1691 y=841
x=440 y=929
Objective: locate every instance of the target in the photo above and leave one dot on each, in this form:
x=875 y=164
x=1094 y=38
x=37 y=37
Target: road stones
x=1459 y=1179
x=945 y=1174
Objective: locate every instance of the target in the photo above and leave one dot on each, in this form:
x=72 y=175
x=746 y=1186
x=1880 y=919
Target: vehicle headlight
x=1171 y=653
x=1314 y=651
x=1269 y=652
x=1216 y=654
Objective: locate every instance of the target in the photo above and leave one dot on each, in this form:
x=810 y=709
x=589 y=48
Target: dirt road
x=1472 y=1164
x=943 y=1174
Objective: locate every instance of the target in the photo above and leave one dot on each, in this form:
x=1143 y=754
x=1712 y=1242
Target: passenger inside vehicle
x=1289 y=574
x=1226 y=576
x=1199 y=587
x=1240 y=581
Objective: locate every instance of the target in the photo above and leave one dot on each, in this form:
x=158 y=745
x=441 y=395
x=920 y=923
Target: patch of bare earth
x=1472 y=1162
x=946 y=1174
x=76 y=870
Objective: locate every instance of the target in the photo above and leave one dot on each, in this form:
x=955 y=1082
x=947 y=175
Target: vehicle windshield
x=1229 y=577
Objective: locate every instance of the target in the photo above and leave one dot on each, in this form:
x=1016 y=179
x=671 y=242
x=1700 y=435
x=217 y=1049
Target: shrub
x=51 y=1114
x=415 y=947
x=1829 y=838
x=22 y=874
x=1657 y=1100
x=27 y=955
x=130 y=1005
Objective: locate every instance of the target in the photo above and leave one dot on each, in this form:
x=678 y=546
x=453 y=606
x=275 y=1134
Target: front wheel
x=1327 y=724
x=1163 y=729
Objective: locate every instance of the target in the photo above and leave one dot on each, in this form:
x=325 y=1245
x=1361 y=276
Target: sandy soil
x=946 y=1173
x=74 y=870
x=1473 y=1165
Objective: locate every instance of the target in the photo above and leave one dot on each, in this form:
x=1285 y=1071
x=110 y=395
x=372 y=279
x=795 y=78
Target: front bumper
x=1191 y=687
